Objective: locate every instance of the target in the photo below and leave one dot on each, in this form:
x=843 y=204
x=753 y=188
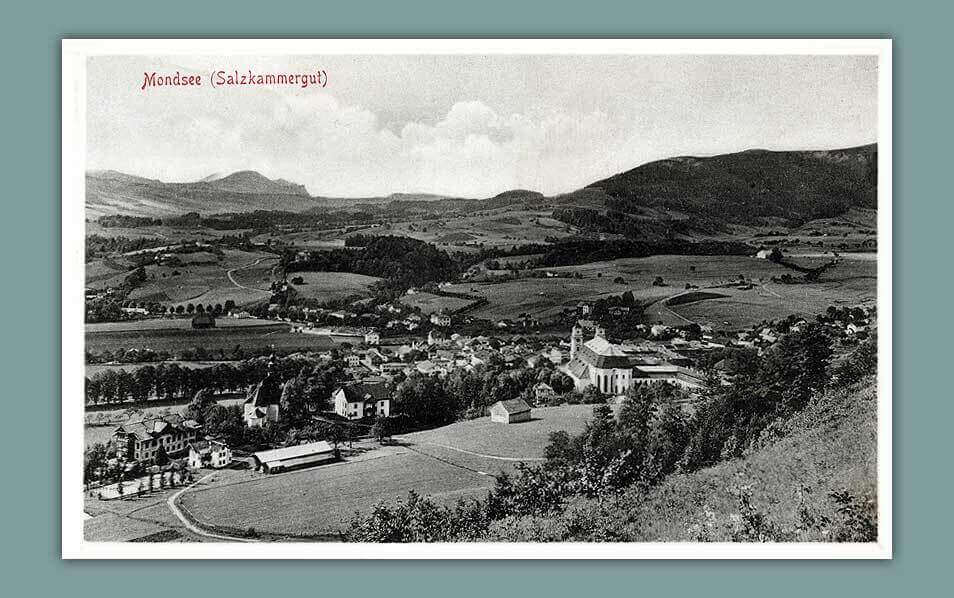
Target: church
x=262 y=404
x=613 y=369
x=599 y=363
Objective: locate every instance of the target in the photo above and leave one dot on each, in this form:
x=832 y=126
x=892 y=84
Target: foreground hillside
x=781 y=491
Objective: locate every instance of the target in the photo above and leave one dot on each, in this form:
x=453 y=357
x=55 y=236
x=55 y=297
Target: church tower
x=576 y=337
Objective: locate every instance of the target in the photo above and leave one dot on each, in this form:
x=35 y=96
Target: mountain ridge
x=672 y=196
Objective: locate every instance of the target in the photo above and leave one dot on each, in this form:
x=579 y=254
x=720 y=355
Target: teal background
x=31 y=229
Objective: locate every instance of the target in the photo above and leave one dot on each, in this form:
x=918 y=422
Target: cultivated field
x=851 y=282
x=201 y=277
x=277 y=337
x=445 y=464
x=184 y=323
x=430 y=303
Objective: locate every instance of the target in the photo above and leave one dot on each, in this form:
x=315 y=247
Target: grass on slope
x=829 y=447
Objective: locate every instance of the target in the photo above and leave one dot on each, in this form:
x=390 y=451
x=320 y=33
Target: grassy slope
x=829 y=447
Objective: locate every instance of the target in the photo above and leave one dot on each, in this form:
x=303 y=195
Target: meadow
x=430 y=303
x=445 y=464
x=326 y=286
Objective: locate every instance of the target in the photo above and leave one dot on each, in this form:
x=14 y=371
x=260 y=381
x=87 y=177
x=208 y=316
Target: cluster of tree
x=171 y=381
x=235 y=353
x=431 y=401
x=620 y=223
x=98 y=245
x=190 y=308
x=584 y=251
x=304 y=395
x=650 y=438
x=123 y=221
x=402 y=260
x=104 y=309
x=270 y=220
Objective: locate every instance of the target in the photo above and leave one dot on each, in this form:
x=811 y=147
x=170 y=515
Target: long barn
x=292 y=457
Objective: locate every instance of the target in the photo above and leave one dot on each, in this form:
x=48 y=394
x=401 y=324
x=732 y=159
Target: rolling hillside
x=755 y=187
x=109 y=193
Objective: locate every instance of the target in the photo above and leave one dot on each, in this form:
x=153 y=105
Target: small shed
x=203 y=321
x=293 y=457
x=510 y=412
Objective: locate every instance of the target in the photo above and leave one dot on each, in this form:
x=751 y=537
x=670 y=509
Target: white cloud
x=403 y=124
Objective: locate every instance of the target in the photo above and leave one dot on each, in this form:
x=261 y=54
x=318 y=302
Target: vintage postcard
x=476 y=298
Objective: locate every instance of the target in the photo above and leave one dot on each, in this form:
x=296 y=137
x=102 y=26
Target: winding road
x=249 y=265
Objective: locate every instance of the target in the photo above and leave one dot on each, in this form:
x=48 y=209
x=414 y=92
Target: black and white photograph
x=480 y=298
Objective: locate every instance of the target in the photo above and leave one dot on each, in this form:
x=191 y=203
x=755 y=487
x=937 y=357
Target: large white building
x=599 y=363
x=613 y=369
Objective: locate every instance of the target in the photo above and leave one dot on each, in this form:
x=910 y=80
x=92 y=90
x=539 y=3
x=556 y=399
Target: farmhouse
x=209 y=453
x=262 y=404
x=441 y=319
x=291 y=457
x=510 y=412
x=145 y=440
x=362 y=399
x=543 y=392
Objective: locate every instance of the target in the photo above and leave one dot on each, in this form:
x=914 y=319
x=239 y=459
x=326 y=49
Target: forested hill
x=755 y=187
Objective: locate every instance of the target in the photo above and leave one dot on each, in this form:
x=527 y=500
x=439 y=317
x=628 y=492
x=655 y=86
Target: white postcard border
x=74 y=55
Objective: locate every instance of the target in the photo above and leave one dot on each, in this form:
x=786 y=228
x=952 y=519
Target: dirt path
x=660 y=308
x=249 y=265
x=189 y=525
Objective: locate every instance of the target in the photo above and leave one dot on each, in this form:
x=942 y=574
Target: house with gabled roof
x=510 y=412
x=209 y=453
x=358 y=400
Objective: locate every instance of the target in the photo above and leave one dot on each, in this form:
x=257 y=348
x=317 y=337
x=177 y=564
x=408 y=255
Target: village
x=586 y=367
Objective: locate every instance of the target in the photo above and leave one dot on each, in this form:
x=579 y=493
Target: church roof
x=578 y=369
x=265 y=393
x=600 y=353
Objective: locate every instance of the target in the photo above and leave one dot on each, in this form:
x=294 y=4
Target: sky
x=469 y=126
